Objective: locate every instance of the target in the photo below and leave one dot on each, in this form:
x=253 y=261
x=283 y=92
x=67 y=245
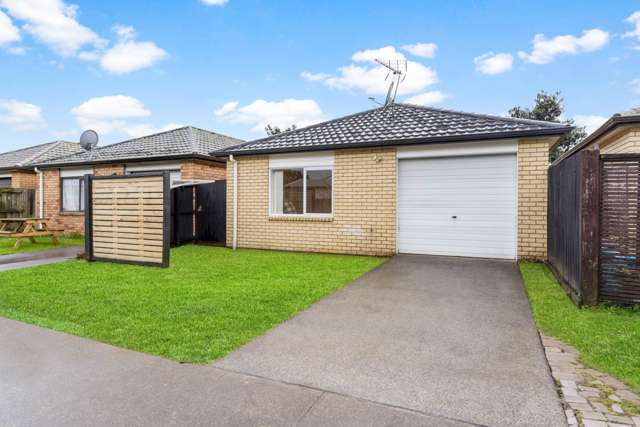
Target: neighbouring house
x=396 y=179
x=183 y=152
x=594 y=215
x=16 y=170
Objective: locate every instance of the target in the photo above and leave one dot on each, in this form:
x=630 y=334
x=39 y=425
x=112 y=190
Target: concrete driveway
x=448 y=337
x=418 y=341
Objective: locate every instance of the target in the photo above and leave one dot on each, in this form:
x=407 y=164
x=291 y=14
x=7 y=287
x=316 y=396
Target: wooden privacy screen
x=620 y=237
x=127 y=219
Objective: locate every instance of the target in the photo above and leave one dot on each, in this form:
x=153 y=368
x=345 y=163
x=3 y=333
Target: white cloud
x=366 y=75
x=142 y=129
x=634 y=19
x=635 y=86
x=124 y=32
x=214 y=2
x=590 y=122
x=423 y=50
x=258 y=114
x=493 y=63
x=9 y=33
x=427 y=98
x=20 y=115
x=129 y=56
x=545 y=51
x=17 y=50
x=108 y=114
x=314 y=77
x=53 y=23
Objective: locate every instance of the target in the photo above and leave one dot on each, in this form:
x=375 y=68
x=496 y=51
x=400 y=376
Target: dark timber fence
x=17 y=203
x=573 y=225
x=594 y=227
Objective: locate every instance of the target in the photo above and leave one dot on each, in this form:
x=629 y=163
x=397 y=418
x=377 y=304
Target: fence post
x=88 y=218
x=590 y=226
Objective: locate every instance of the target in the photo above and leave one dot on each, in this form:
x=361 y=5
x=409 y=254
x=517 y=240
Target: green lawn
x=208 y=303
x=6 y=244
x=607 y=337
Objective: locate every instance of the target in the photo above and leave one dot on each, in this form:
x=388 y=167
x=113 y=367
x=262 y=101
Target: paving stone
x=587 y=388
x=636 y=420
x=591 y=415
x=600 y=407
x=618 y=425
x=575 y=399
x=568 y=384
x=617 y=408
x=615 y=398
x=594 y=423
x=628 y=395
x=587 y=393
x=609 y=380
x=580 y=406
x=620 y=419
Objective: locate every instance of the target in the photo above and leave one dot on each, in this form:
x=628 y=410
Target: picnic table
x=28 y=228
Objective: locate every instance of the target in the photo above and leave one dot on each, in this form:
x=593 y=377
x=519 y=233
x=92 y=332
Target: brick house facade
x=365 y=213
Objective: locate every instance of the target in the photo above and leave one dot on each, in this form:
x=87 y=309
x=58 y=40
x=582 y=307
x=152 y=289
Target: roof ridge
x=28 y=148
x=487 y=116
x=216 y=133
x=51 y=146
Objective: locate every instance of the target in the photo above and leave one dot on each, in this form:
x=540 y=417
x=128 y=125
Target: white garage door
x=460 y=206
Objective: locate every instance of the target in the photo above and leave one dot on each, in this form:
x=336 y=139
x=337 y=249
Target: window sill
x=303 y=218
x=71 y=213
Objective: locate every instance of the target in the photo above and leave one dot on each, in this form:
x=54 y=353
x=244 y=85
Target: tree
x=549 y=107
x=274 y=130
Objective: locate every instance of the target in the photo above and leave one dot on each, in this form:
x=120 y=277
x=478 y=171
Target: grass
x=607 y=337
x=42 y=243
x=207 y=303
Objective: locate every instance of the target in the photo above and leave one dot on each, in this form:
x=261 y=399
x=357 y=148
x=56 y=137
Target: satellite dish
x=89 y=139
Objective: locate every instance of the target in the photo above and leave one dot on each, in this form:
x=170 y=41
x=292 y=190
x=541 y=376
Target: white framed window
x=72 y=189
x=301 y=191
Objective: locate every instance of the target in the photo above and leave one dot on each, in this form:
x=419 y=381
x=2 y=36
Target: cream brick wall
x=626 y=143
x=364 y=207
x=364 y=219
x=533 y=162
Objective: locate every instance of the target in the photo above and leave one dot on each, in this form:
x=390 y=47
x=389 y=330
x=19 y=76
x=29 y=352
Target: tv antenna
x=397 y=71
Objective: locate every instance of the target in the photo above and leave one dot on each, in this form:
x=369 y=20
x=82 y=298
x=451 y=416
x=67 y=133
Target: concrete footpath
x=31 y=259
x=52 y=379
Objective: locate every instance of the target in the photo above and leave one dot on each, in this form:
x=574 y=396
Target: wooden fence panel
x=573 y=224
x=127 y=219
x=17 y=203
x=620 y=237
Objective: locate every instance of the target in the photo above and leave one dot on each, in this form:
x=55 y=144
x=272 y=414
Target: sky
x=130 y=68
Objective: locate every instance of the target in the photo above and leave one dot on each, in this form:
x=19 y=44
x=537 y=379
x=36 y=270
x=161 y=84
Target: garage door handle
x=454 y=216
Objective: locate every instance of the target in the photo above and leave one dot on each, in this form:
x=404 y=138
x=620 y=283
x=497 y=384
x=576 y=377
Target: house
x=183 y=152
x=399 y=178
x=618 y=135
x=15 y=166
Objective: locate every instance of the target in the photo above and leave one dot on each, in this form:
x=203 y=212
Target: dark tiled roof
x=399 y=124
x=181 y=142
x=38 y=153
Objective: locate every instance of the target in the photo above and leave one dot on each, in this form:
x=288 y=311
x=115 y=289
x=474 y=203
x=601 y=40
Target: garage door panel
x=479 y=191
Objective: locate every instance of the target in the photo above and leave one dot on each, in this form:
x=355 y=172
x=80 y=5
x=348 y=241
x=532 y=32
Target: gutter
x=216 y=159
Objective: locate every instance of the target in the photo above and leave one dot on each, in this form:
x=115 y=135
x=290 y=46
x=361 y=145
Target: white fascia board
x=475 y=148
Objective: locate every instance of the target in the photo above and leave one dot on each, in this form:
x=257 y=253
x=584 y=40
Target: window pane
x=286 y=191
x=319 y=191
x=70 y=194
x=82 y=195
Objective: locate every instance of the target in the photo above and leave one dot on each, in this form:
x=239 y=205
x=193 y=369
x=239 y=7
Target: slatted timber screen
x=127 y=219
x=620 y=237
x=573 y=226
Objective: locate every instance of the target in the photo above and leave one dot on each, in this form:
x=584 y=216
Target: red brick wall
x=71 y=222
x=24 y=179
x=108 y=170
x=201 y=169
